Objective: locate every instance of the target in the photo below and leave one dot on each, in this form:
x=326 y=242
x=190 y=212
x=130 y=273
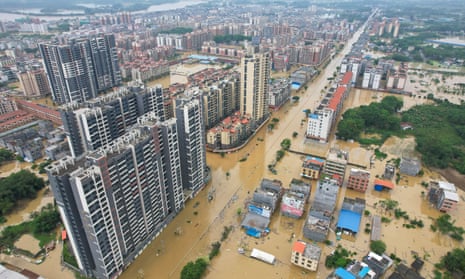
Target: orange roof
x=384 y=183
x=336 y=99
x=346 y=79
x=63 y=235
x=299 y=247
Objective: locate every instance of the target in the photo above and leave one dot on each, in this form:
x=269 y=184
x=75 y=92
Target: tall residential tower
x=78 y=71
x=255 y=77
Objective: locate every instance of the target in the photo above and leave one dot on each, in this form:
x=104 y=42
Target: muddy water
x=166 y=256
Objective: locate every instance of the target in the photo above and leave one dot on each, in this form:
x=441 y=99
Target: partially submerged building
x=336 y=163
x=358 y=180
x=264 y=203
x=312 y=167
x=350 y=216
x=443 y=195
x=381 y=185
x=372 y=266
x=305 y=255
x=409 y=166
x=319 y=218
x=294 y=200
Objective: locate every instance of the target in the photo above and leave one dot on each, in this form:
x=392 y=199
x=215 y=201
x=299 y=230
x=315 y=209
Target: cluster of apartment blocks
x=130 y=172
x=385 y=26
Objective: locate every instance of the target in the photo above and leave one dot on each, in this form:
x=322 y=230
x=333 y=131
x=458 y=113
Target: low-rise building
x=294 y=200
x=312 y=167
x=409 y=166
x=358 y=180
x=336 y=163
x=305 y=255
x=443 y=195
x=316 y=226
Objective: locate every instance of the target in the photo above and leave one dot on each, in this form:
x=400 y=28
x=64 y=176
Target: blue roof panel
x=349 y=220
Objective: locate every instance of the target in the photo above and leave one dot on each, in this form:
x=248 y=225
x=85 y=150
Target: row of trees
x=376 y=116
x=20 y=185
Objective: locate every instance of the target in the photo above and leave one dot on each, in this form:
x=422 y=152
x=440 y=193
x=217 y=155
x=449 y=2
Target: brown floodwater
x=191 y=233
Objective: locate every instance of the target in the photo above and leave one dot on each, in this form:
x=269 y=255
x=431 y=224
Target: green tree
x=194 y=270
x=6 y=155
x=454 y=261
x=286 y=144
x=378 y=246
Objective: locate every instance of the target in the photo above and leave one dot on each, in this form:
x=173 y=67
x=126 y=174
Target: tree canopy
x=454 y=260
x=439 y=130
x=6 y=155
x=194 y=270
x=378 y=246
x=20 y=185
x=377 y=116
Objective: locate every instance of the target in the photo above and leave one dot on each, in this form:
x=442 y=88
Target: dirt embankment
x=452 y=176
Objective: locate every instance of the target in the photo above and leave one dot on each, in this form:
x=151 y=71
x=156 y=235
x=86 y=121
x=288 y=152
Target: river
x=153 y=8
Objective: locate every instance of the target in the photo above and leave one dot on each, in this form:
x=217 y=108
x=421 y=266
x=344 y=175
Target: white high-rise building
x=319 y=124
x=255 y=76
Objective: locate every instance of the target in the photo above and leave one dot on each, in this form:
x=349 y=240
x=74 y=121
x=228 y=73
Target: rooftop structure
x=409 y=166
x=376 y=228
x=381 y=184
x=350 y=216
x=319 y=218
x=306 y=255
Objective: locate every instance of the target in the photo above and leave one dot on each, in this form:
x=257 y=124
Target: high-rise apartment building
x=81 y=69
x=99 y=121
x=34 y=83
x=191 y=132
x=115 y=200
x=255 y=76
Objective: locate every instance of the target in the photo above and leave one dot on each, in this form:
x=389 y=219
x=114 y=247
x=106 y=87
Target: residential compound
x=82 y=68
x=115 y=200
x=130 y=171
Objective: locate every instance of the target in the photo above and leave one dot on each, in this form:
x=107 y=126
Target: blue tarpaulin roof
x=349 y=220
x=344 y=274
x=364 y=271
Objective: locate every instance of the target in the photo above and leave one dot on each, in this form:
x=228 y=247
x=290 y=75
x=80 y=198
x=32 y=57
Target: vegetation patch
x=41 y=227
x=341 y=257
x=380 y=118
x=17 y=186
x=445 y=225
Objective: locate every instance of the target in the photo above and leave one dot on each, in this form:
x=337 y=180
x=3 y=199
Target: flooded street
x=191 y=233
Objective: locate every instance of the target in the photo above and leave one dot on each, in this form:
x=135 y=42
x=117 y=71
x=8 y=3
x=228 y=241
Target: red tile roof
x=384 y=183
x=299 y=247
x=337 y=97
x=347 y=78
